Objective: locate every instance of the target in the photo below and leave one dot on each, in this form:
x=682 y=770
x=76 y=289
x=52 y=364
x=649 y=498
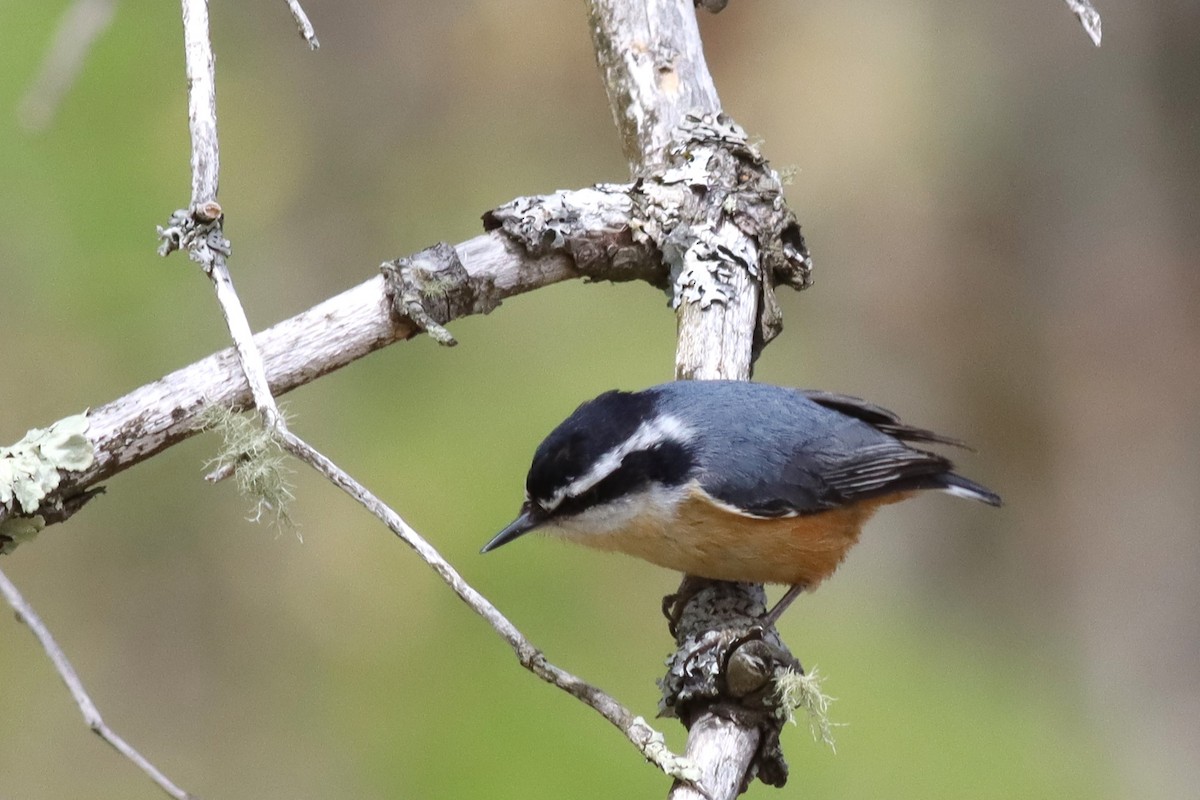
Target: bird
x=730 y=480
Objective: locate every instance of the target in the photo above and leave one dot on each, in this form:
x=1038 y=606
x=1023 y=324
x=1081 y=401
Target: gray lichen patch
x=433 y=287
x=32 y=468
x=596 y=227
x=714 y=209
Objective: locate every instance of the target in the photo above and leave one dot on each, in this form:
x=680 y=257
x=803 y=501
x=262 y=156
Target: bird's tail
x=957 y=485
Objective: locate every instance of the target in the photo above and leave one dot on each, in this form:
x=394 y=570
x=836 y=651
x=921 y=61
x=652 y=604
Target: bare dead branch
x=587 y=233
x=205 y=154
x=303 y=25
x=202 y=107
x=91 y=715
x=211 y=249
x=1089 y=17
x=535 y=242
x=721 y=749
x=81 y=25
x=662 y=94
x=648 y=741
x=202 y=103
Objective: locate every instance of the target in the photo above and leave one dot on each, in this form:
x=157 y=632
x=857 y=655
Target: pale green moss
x=253 y=454
x=798 y=690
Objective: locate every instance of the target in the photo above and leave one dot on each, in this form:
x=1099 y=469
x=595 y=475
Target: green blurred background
x=1004 y=223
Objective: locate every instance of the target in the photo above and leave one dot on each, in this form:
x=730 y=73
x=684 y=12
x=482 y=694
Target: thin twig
x=91 y=714
x=305 y=27
x=202 y=115
x=243 y=338
x=80 y=26
x=648 y=741
x=202 y=103
x=210 y=251
x=1088 y=16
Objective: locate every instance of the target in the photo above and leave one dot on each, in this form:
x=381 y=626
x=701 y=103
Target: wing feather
x=789 y=452
x=878 y=417
x=860 y=452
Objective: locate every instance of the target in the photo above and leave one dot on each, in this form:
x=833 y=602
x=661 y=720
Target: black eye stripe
x=580 y=440
x=666 y=463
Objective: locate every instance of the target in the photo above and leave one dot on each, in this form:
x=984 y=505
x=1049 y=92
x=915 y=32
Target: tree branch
x=91 y=715
x=652 y=62
x=534 y=242
x=296 y=351
x=302 y=24
x=650 y=743
x=411 y=295
x=210 y=249
x=734 y=241
x=1089 y=17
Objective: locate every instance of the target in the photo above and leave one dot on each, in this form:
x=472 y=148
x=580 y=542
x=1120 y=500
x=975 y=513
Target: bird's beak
x=523 y=524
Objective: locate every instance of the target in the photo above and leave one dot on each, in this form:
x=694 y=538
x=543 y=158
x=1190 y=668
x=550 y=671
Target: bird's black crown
x=588 y=438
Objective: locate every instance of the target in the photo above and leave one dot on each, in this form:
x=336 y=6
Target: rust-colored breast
x=712 y=541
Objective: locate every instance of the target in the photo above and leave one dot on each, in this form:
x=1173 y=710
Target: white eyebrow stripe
x=653 y=432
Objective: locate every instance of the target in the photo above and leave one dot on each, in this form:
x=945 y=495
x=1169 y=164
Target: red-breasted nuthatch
x=729 y=480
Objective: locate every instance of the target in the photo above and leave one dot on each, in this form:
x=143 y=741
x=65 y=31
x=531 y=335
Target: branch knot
x=432 y=287
x=727 y=664
x=197 y=230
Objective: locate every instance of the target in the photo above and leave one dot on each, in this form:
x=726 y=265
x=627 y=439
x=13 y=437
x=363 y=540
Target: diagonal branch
x=210 y=251
x=91 y=715
x=539 y=241
x=647 y=740
x=302 y=24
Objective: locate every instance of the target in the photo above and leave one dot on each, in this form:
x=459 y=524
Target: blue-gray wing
x=824 y=451
x=878 y=417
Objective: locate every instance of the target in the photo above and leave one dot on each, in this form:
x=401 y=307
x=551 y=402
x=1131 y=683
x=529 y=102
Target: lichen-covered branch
x=586 y=233
x=726 y=244
x=330 y=335
x=32 y=469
